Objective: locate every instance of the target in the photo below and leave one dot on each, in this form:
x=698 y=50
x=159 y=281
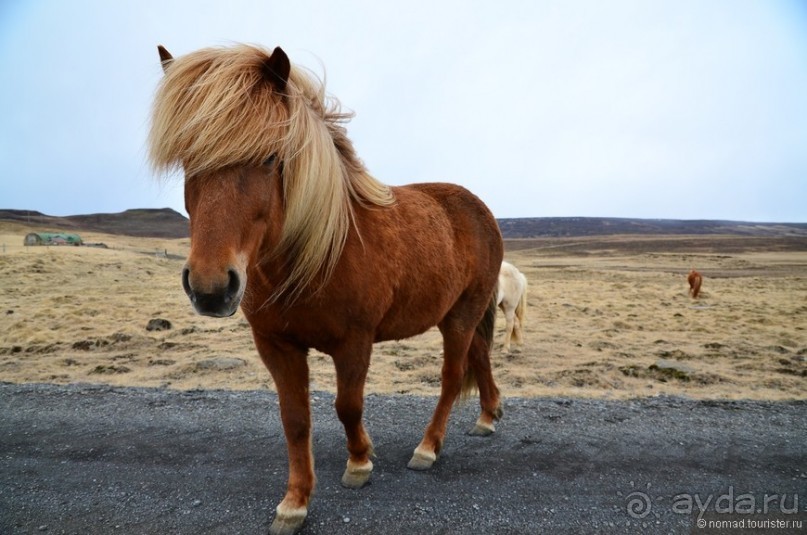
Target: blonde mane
x=215 y=109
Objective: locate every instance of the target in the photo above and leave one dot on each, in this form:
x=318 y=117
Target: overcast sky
x=653 y=109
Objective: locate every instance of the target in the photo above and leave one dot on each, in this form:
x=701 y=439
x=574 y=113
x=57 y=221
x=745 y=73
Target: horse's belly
x=401 y=331
x=405 y=321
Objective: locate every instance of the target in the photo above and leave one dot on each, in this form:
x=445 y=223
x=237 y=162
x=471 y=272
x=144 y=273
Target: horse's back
x=451 y=215
x=467 y=213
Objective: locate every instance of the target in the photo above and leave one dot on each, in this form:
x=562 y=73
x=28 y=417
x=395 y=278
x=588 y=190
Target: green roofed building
x=52 y=238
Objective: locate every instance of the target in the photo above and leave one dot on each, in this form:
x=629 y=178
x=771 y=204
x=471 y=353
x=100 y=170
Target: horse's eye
x=270 y=160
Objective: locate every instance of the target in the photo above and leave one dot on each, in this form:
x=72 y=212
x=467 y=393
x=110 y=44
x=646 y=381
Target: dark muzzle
x=220 y=301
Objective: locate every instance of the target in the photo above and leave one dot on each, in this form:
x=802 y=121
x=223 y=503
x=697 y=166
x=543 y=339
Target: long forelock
x=214 y=109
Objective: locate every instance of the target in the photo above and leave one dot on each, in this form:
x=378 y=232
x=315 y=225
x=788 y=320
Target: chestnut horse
x=695 y=280
x=286 y=222
x=512 y=299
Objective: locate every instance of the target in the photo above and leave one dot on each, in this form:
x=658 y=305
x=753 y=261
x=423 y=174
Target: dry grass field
x=608 y=317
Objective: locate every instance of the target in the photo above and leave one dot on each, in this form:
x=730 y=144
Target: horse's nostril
x=186 y=285
x=233 y=285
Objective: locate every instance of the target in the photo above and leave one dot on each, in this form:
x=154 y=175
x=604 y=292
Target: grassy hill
x=167 y=223
x=561 y=227
x=144 y=222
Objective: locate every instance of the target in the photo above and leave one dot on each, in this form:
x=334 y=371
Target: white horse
x=512 y=299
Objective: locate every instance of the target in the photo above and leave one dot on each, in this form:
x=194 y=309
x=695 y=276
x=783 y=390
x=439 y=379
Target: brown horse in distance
x=695 y=280
x=287 y=223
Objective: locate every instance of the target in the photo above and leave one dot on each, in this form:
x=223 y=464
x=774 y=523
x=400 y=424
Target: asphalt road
x=94 y=459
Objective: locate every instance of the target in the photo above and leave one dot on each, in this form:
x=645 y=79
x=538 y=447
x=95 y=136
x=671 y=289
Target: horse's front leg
x=352 y=362
x=288 y=365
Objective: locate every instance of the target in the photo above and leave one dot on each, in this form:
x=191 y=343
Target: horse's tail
x=479 y=351
x=521 y=312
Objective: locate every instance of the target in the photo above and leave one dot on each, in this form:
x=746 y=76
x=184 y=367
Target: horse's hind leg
x=518 y=333
x=509 y=316
x=351 y=365
x=455 y=349
x=479 y=362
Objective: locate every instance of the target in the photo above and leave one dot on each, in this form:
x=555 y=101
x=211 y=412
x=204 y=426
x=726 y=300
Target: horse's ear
x=165 y=57
x=276 y=69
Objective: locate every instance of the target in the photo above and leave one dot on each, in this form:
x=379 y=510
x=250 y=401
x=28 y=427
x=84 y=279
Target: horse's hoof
x=422 y=459
x=482 y=429
x=357 y=475
x=288 y=521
